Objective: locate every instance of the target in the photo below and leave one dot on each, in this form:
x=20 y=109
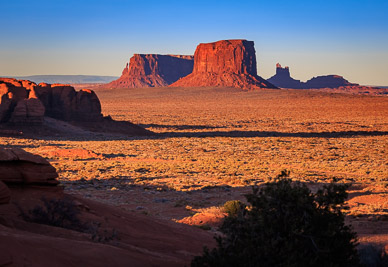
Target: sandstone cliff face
x=25 y=102
x=151 y=70
x=283 y=79
x=227 y=63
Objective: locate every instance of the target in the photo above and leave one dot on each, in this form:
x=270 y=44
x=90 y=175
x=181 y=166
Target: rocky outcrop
x=283 y=79
x=64 y=103
x=20 y=167
x=328 y=81
x=227 y=63
x=152 y=70
x=25 y=102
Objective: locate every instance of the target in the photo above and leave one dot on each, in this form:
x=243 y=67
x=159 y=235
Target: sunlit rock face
x=24 y=102
x=226 y=63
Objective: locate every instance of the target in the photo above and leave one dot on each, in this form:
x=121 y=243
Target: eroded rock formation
x=152 y=70
x=27 y=103
x=20 y=167
x=227 y=63
x=283 y=79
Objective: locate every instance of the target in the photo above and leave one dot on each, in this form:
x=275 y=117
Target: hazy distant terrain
x=68 y=79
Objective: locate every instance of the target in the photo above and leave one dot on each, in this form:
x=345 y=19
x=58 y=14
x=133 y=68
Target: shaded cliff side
x=283 y=79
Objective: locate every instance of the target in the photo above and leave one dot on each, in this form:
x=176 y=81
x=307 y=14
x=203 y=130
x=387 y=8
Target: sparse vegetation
x=64 y=213
x=286 y=225
x=213 y=144
x=373 y=255
x=233 y=207
x=61 y=212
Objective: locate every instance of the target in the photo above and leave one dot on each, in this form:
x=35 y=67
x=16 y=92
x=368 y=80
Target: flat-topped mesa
x=25 y=102
x=152 y=70
x=226 y=63
x=283 y=79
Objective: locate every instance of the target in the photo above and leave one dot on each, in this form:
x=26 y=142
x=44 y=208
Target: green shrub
x=373 y=255
x=64 y=213
x=233 y=207
x=286 y=225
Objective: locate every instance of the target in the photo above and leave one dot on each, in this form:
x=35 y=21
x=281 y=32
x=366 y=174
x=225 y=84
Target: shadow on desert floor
x=241 y=134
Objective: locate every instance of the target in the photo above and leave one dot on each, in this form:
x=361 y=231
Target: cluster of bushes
x=285 y=224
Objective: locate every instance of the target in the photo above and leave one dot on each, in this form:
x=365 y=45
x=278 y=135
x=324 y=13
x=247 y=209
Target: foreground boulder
x=24 y=102
x=152 y=70
x=227 y=63
x=20 y=167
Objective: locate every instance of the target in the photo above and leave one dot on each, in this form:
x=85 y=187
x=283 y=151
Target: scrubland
x=212 y=144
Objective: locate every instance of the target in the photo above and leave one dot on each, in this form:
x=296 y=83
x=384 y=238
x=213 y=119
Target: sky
x=92 y=37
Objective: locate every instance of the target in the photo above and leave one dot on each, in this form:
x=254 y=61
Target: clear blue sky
x=344 y=37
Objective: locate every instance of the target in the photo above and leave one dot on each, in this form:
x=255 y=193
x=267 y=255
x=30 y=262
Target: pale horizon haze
x=347 y=38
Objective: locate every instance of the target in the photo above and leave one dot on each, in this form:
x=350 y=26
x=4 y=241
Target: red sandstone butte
x=227 y=63
x=152 y=70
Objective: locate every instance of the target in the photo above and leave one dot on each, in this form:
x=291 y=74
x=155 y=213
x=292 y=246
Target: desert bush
x=372 y=255
x=101 y=235
x=64 y=213
x=56 y=212
x=233 y=207
x=286 y=225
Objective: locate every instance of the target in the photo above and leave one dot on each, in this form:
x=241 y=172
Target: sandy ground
x=213 y=144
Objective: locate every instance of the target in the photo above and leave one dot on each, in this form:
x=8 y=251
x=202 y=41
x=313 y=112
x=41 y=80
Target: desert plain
x=212 y=144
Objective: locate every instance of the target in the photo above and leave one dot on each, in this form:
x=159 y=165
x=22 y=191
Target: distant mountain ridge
x=66 y=79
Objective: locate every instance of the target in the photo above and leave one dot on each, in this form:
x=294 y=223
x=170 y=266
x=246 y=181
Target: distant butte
x=152 y=70
x=283 y=79
x=226 y=63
